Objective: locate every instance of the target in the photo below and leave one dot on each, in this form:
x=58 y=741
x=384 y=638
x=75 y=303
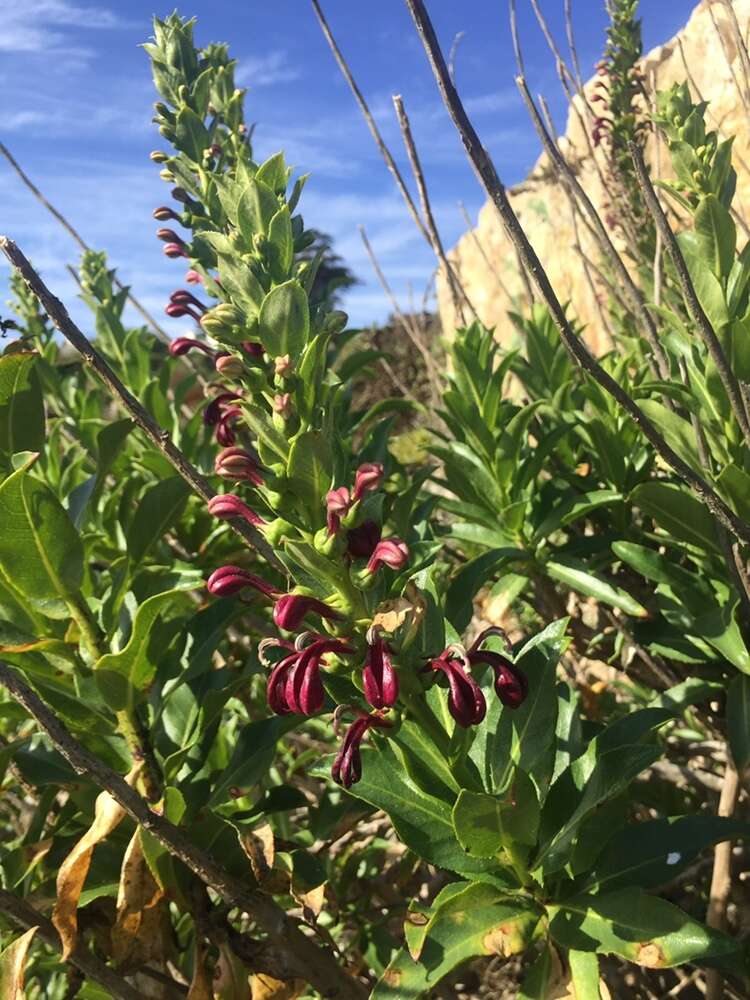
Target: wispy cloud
x=38 y=26
x=262 y=71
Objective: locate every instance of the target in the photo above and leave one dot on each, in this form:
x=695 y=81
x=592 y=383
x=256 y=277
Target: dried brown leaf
x=201 y=985
x=13 y=966
x=75 y=868
x=136 y=936
x=259 y=845
x=267 y=988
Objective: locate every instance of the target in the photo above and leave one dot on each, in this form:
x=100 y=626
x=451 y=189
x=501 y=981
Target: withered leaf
x=258 y=844
x=136 y=936
x=13 y=966
x=267 y=988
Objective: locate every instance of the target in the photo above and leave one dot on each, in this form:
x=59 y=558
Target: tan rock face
x=485 y=258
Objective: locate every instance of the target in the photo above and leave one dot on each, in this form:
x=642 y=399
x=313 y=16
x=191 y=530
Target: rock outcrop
x=705 y=54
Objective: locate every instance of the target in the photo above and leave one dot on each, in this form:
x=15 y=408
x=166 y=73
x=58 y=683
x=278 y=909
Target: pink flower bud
x=236 y=463
x=174 y=250
x=193 y=278
x=229 y=580
x=163 y=213
x=390 y=552
x=282 y=404
x=338 y=503
x=181 y=345
x=225 y=506
x=367 y=479
x=283 y=366
x=379 y=677
x=229 y=365
x=169 y=236
x=291 y=609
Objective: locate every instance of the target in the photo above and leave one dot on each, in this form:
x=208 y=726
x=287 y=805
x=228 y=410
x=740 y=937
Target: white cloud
x=34 y=26
x=262 y=71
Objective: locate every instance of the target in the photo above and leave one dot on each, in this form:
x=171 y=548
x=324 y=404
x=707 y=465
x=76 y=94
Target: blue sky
x=76 y=113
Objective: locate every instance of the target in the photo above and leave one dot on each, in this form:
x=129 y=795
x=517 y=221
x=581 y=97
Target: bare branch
x=603 y=238
x=457 y=290
x=160 y=438
x=702 y=322
x=316 y=965
x=22 y=914
x=721 y=879
x=375 y=132
x=158 y=330
x=487 y=174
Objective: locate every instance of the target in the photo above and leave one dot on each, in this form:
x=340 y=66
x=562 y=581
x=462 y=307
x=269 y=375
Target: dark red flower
x=347 y=766
x=465 y=699
x=169 y=236
x=229 y=580
x=251 y=347
x=290 y=610
x=225 y=427
x=511 y=684
x=295 y=685
x=361 y=541
x=182 y=297
x=212 y=413
x=176 y=310
x=379 y=676
x=389 y=552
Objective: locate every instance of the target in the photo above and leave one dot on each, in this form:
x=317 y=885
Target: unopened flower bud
x=226 y=506
x=290 y=610
x=236 y=463
x=229 y=580
x=221 y=319
x=181 y=345
x=174 y=250
x=390 y=552
x=169 y=236
x=282 y=404
x=180 y=194
x=230 y=366
x=367 y=479
x=193 y=278
x=166 y=175
x=158 y=156
x=163 y=213
x=283 y=366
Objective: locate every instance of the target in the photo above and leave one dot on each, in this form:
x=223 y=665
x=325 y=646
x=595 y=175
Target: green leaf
x=284 y=320
x=124 y=677
x=274 y=173
x=160 y=507
x=678 y=512
x=584 y=974
x=423 y=822
x=21 y=405
x=574 y=574
x=239 y=282
x=254 y=750
x=40 y=552
x=281 y=243
x=310 y=470
x=468 y=580
x=487 y=824
x=738 y=720
x=256 y=207
x=638 y=927
x=653 y=853
x=677 y=432
x=191 y=135
x=536 y=982
x=472 y=920
x=716 y=235
x=573 y=508
x=707 y=286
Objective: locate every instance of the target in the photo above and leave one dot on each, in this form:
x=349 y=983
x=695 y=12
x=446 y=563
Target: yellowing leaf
x=13 y=965
x=267 y=988
x=75 y=868
x=258 y=845
x=136 y=929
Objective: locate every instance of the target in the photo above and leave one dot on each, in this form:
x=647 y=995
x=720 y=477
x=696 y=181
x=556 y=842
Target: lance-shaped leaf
x=125 y=676
x=160 y=507
x=638 y=927
x=13 y=966
x=487 y=824
x=75 y=868
x=21 y=405
x=41 y=555
x=284 y=320
x=478 y=920
x=310 y=471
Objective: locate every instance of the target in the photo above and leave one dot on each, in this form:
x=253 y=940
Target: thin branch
x=312 y=963
x=603 y=238
x=159 y=331
x=374 y=131
x=514 y=35
x=457 y=290
x=487 y=174
x=702 y=322
x=721 y=879
x=160 y=438
x=471 y=230
x=412 y=331
x=568 y=13
x=22 y=914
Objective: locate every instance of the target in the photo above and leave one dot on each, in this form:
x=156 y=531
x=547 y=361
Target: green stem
x=90 y=632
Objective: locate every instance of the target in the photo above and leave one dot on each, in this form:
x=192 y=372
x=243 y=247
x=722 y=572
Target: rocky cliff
x=704 y=53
